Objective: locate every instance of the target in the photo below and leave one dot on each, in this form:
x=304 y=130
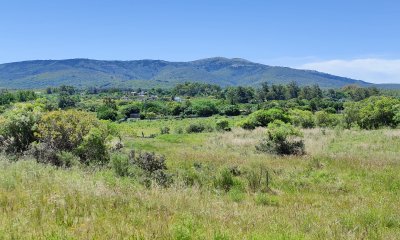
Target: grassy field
x=346 y=187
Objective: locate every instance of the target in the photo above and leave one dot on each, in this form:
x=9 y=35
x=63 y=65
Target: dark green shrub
x=129 y=109
x=162 y=178
x=67 y=101
x=263 y=117
x=93 y=148
x=195 y=128
x=247 y=124
x=107 y=113
x=204 y=108
x=282 y=139
x=150 y=162
x=230 y=110
x=222 y=125
x=154 y=168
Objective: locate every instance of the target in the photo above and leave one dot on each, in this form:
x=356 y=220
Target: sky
x=353 y=38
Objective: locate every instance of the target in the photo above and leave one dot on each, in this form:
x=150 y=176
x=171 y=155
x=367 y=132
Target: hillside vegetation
x=157 y=73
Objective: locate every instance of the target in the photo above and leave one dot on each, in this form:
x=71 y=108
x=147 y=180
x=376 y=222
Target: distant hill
x=153 y=73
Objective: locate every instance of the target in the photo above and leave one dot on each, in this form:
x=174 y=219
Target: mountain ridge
x=83 y=72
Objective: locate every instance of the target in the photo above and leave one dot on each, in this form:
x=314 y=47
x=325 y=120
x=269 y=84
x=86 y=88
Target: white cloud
x=369 y=69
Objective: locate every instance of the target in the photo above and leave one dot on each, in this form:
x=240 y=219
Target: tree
x=277 y=92
x=292 y=90
x=262 y=92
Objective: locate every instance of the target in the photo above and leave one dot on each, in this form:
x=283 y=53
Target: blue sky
x=352 y=38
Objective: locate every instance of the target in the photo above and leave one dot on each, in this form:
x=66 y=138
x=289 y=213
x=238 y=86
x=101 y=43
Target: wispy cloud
x=369 y=69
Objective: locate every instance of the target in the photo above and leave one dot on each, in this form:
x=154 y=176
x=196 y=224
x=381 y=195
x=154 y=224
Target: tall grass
x=346 y=187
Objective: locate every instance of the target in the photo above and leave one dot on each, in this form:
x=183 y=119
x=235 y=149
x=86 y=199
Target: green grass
x=346 y=187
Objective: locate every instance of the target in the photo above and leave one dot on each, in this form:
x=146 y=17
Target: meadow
x=346 y=186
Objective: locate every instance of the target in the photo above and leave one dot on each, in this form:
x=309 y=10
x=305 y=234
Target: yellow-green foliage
x=19 y=126
x=65 y=130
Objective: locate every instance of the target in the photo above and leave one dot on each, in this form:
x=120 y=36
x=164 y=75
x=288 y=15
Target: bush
x=247 y=124
x=324 y=119
x=107 y=113
x=150 y=115
x=197 y=128
x=129 y=109
x=18 y=128
x=230 y=110
x=65 y=130
x=72 y=131
x=150 y=162
x=175 y=108
x=396 y=117
x=283 y=139
x=372 y=113
x=153 y=166
x=262 y=118
x=301 y=118
x=67 y=159
x=223 y=125
x=154 y=107
x=204 y=108
x=93 y=148
x=44 y=153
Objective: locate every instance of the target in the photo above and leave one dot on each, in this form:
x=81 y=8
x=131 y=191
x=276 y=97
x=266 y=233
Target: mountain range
x=158 y=73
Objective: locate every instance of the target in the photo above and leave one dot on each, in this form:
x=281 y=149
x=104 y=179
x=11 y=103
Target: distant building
x=134 y=115
x=153 y=97
x=177 y=99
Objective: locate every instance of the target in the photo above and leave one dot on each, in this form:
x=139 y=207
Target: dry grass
x=346 y=187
